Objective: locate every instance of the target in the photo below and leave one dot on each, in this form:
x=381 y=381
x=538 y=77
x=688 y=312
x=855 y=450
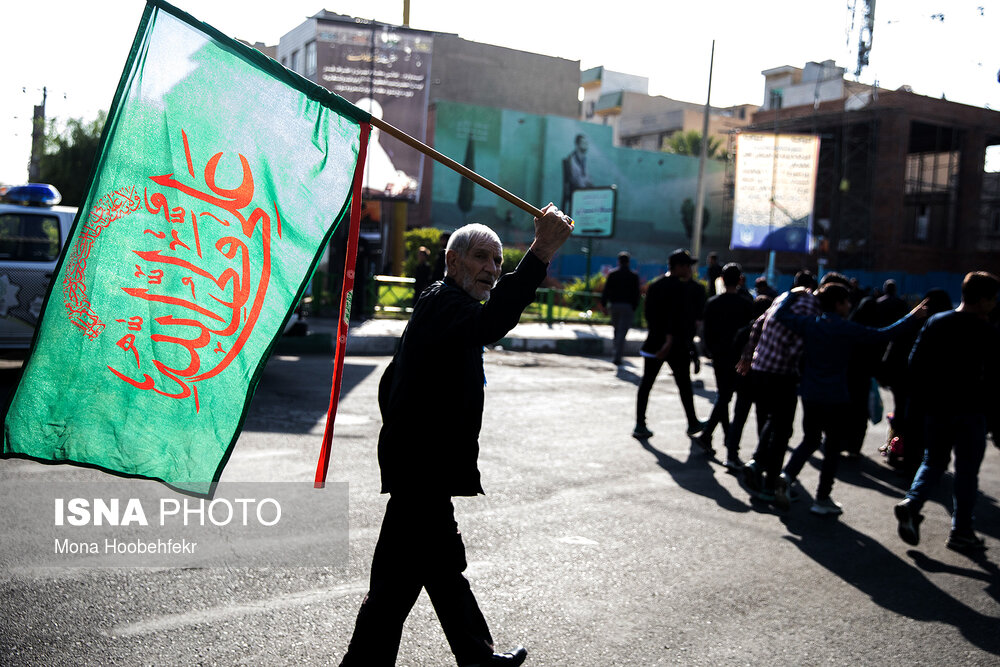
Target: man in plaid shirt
x=772 y=357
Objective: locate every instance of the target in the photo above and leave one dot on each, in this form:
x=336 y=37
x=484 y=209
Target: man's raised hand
x=551 y=231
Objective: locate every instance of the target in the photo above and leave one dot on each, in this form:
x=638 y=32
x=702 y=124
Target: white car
x=33 y=231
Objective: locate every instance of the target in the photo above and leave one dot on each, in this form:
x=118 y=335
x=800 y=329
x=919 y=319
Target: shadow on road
x=625 y=373
x=294 y=393
x=696 y=475
x=870 y=474
x=988 y=571
x=890 y=581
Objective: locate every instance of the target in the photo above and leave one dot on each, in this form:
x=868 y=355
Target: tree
x=69 y=155
x=689 y=143
x=687 y=219
x=466 y=188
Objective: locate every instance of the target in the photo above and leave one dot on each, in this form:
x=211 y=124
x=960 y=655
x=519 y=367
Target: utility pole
x=37 y=139
x=406 y=13
x=700 y=206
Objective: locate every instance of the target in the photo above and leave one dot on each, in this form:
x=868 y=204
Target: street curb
x=312 y=343
x=584 y=347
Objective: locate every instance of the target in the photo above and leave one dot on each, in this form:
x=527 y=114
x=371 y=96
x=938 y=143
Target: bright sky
x=77 y=48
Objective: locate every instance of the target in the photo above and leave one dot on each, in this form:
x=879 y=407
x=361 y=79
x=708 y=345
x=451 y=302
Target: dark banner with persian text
x=384 y=70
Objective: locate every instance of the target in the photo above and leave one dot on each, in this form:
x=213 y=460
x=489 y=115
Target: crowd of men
x=766 y=351
x=820 y=344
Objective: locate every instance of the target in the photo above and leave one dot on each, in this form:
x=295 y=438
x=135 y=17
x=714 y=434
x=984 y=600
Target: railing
x=393 y=297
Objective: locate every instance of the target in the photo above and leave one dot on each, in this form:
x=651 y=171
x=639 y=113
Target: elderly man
x=431 y=398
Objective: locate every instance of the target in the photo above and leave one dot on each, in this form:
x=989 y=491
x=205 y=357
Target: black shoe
x=696 y=428
x=641 y=432
x=781 y=499
x=511 y=659
x=965 y=542
x=909 y=522
x=751 y=476
x=705 y=442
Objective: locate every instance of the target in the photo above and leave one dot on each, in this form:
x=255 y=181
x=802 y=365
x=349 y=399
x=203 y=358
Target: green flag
x=220 y=179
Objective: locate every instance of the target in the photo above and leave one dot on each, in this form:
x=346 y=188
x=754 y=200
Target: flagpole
x=451 y=164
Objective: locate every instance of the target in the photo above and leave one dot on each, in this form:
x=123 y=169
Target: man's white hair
x=472 y=234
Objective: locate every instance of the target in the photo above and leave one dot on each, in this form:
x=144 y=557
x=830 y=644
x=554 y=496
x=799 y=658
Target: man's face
x=681 y=271
x=478 y=270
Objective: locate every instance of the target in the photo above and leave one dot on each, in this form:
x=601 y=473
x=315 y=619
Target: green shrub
x=429 y=237
x=511 y=258
x=578 y=296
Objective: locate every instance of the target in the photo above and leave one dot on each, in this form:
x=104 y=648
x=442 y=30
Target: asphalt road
x=590 y=548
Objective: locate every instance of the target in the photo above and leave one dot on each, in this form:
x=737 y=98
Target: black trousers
x=419 y=546
x=777 y=399
x=725 y=383
x=680 y=365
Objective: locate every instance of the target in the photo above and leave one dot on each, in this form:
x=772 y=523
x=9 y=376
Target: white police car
x=33 y=231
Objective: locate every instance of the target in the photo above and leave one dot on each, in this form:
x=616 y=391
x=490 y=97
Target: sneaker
x=826 y=506
x=909 y=522
x=640 y=431
x=696 y=428
x=751 y=476
x=781 y=500
x=965 y=541
x=705 y=442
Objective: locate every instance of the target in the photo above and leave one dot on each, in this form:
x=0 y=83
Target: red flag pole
x=352 y=251
x=343 y=323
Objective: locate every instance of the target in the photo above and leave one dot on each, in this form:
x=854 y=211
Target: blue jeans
x=966 y=436
x=829 y=419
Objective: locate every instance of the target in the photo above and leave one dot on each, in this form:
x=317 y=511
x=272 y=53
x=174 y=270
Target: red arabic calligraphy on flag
x=220 y=180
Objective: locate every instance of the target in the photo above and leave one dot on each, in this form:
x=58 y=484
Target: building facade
x=901 y=190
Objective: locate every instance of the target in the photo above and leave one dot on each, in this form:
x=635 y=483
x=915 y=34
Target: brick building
x=901 y=187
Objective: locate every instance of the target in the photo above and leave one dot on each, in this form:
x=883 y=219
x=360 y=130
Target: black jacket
x=672 y=308
x=621 y=286
x=431 y=395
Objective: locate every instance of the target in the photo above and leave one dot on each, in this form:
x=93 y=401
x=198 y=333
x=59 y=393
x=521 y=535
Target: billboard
x=775 y=186
x=593 y=211
x=385 y=70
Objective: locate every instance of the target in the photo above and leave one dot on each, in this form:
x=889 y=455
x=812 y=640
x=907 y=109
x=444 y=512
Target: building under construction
x=901 y=189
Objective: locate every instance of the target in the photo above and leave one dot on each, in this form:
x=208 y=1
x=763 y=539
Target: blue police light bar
x=33 y=194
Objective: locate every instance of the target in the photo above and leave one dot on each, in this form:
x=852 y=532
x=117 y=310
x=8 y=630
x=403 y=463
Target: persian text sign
x=775 y=185
x=593 y=211
x=220 y=179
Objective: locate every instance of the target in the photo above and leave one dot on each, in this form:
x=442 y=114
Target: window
x=921 y=230
x=776 y=98
x=29 y=237
x=293 y=62
x=310 y=58
x=931 y=172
